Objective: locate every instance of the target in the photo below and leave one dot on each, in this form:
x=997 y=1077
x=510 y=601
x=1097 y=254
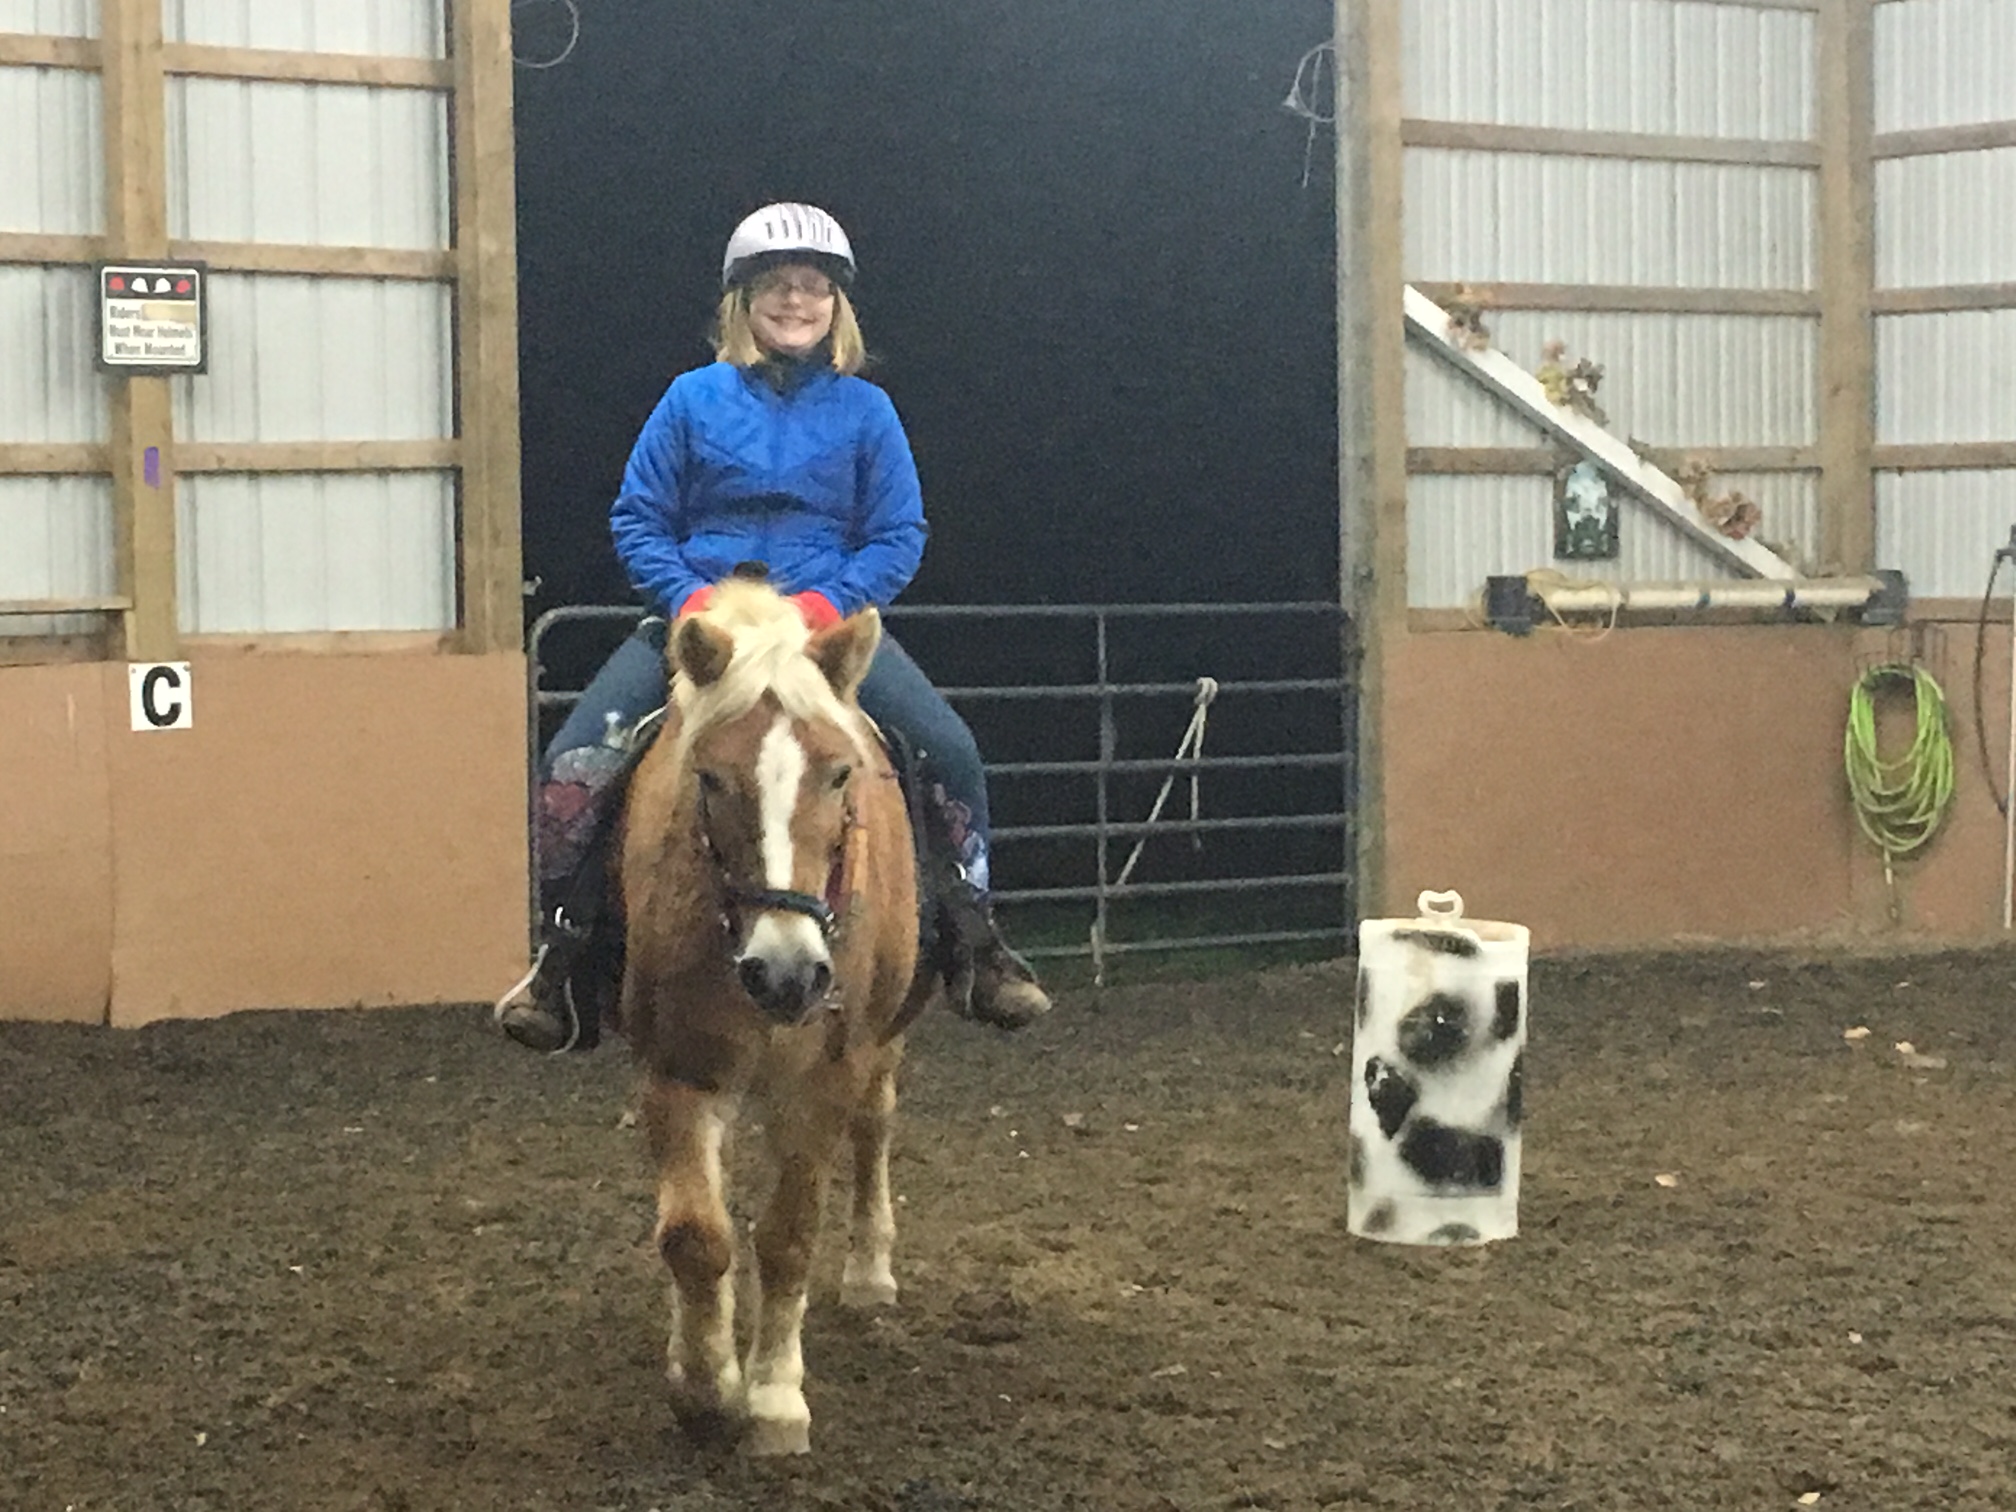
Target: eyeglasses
x=811 y=285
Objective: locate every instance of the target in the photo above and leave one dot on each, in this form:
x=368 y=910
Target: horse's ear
x=700 y=650
x=843 y=651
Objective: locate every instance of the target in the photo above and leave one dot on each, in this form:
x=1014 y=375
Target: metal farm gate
x=1138 y=808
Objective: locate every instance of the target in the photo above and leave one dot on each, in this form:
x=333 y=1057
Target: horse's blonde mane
x=770 y=657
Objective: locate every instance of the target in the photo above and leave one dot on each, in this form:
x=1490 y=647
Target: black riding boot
x=539 y=1011
x=984 y=978
x=1005 y=990
x=560 y=1002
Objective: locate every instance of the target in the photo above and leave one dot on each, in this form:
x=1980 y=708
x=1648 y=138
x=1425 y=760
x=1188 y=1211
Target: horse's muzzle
x=788 y=990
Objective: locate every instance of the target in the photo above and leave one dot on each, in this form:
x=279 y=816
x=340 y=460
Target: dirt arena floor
x=386 y=1262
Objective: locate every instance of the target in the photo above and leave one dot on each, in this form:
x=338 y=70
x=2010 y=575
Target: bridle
x=737 y=896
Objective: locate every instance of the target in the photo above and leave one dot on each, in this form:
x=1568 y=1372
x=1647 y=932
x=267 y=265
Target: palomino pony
x=770 y=892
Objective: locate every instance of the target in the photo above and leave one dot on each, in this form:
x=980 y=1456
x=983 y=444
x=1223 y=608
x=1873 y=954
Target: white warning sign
x=153 y=318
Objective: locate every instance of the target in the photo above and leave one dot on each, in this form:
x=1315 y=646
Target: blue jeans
x=895 y=694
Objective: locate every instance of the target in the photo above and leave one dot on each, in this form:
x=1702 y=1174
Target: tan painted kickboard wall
x=333 y=831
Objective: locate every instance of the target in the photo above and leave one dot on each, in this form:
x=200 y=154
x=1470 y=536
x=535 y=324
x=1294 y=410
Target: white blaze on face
x=780 y=773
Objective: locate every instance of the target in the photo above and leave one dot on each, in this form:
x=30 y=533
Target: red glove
x=817 y=610
x=696 y=601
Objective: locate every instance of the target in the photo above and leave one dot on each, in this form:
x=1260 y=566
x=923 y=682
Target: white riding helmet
x=784 y=233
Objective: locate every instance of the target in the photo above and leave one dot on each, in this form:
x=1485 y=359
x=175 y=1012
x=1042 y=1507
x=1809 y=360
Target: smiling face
x=791 y=309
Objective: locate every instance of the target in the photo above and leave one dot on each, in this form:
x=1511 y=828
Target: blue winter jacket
x=817 y=482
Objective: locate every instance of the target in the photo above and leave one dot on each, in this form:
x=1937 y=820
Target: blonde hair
x=735 y=341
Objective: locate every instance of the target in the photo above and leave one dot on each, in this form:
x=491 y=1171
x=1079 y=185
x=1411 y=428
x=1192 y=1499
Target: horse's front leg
x=685 y=1129
x=869 y=1280
x=803 y=1138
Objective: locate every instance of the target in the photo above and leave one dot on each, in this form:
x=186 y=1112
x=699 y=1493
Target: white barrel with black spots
x=1438 y=1046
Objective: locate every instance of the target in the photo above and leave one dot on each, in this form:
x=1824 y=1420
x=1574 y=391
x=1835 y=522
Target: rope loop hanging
x=1189 y=750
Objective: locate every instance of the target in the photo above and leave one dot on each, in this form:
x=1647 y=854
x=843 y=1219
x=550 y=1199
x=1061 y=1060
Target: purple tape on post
x=150 y=467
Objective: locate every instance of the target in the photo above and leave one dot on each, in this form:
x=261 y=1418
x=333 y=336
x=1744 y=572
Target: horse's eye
x=711 y=783
x=840 y=777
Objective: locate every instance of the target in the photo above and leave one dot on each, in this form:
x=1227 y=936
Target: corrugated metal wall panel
x=361 y=167
x=50 y=18
x=1529 y=218
x=1948 y=218
x=1688 y=380
x=323 y=359
x=318 y=551
x=52 y=132
x=1949 y=377
x=58 y=544
x=386 y=28
x=1944 y=63
x=1461 y=530
x=49 y=390
x=1611 y=65
x=1446 y=409
x=1943 y=528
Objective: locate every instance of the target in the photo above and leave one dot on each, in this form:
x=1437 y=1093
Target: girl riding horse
x=776 y=454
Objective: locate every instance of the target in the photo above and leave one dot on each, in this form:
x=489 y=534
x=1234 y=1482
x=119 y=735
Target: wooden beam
x=44 y=650
x=324 y=642
x=1948 y=456
x=100 y=604
x=1983 y=136
x=486 y=327
x=1939 y=301
x=327 y=262
x=1544 y=461
x=1371 y=394
x=37 y=247
x=21 y=50
x=1643 y=146
x=417 y=263
x=143 y=431
x=1632 y=299
x=316 y=456
x=308 y=68
x=53 y=459
x=1847 y=245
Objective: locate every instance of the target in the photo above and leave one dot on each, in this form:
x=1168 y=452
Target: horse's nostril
x=755 y=976
x=822 y=978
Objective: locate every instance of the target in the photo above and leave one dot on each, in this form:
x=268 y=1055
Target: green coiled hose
x=1899 y=802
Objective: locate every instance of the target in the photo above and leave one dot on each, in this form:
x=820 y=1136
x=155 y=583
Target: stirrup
x=525 y=995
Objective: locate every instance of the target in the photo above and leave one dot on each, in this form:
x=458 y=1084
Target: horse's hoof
x=707 y=1415
x=779 y=1421
x=867 y=1291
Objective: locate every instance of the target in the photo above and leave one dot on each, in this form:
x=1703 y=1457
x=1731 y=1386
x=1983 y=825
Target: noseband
x=784 y=900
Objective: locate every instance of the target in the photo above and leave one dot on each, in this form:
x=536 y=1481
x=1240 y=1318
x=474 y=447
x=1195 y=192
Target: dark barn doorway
x=1097 y=273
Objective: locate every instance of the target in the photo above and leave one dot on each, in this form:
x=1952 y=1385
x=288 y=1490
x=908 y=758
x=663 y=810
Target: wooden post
x=1847 y=206
x=142 y=420
x=486 y=366
x=1371 y=394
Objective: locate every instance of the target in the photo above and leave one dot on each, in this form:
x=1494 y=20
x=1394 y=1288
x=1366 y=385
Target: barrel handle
x=1444 y=907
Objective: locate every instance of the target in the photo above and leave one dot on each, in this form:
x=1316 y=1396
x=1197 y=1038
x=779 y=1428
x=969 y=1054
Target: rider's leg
x=898 y=695
x=579 y=781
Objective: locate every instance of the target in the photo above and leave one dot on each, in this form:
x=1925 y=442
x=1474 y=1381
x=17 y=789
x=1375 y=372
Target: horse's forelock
x=770 y=639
